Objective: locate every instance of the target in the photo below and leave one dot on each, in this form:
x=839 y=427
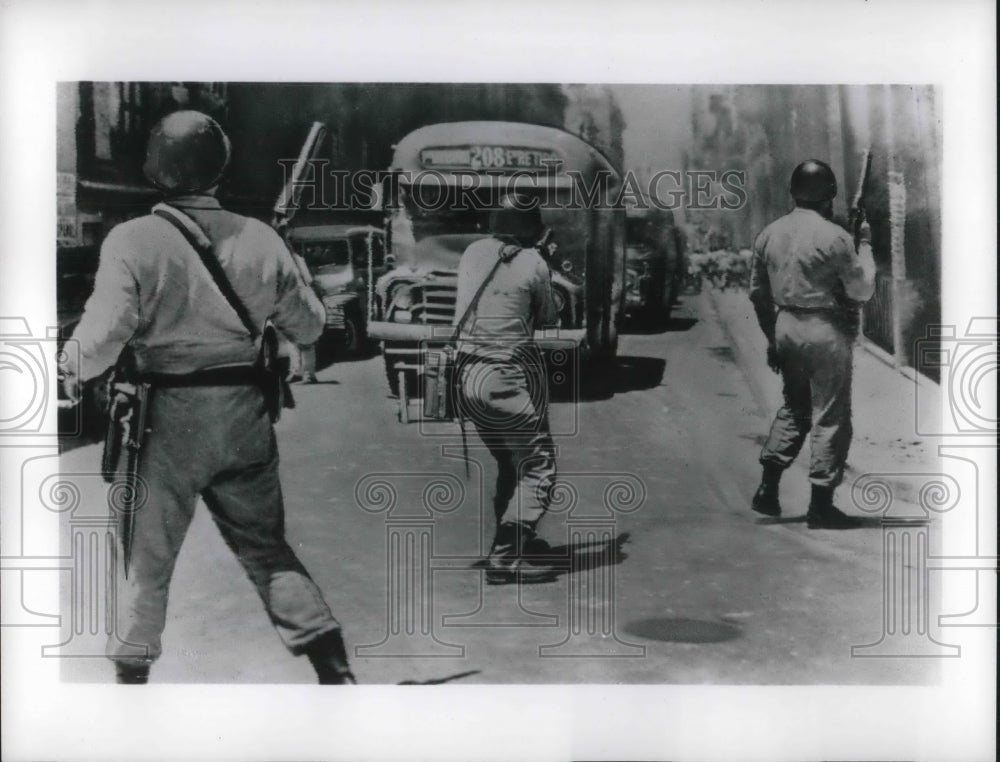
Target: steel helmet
x=187 y=152
x=813 y=181
x=519 y=216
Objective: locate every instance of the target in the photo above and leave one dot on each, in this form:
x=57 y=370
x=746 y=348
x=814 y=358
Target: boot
x=131 y=673
x=823 y=515
x=508 y=562
x=766 y=498
x=329 y=658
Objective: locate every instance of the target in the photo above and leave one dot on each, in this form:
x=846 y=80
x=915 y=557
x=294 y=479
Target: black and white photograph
x=415 y=410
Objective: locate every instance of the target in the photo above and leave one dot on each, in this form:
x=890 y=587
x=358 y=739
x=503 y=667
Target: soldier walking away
x=806 y=281
x=504 y=294
x=210 y=432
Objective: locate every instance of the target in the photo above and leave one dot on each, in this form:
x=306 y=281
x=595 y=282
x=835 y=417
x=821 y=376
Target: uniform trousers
x=507 y=402
x=216 y=443
x=816 y=357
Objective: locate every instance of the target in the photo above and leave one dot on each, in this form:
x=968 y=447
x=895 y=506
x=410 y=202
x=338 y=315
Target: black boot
x=329 y=658
x=766 y=498
x=823 y=515
x=131 y=673
x=508 y=561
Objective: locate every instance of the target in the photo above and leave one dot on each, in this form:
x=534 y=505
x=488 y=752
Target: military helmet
x=519 y=216
x=813 y=182
x=187 y=152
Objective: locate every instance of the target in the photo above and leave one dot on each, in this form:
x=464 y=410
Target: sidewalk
x=885 y=401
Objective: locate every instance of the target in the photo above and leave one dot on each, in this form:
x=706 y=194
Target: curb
x=888 y=360
x=901 y=489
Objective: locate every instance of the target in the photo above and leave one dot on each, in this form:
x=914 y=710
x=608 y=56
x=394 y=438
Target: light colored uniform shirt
x=152 y=289
x=516 y=302
x=803 y=260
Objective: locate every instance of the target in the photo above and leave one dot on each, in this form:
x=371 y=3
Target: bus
x=437 y=198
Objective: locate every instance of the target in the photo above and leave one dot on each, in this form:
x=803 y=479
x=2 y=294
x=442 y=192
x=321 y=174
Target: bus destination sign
x=490 y=158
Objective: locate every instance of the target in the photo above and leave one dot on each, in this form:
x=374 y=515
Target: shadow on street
x=624 y=374
x=578 y=556
x=441 y=680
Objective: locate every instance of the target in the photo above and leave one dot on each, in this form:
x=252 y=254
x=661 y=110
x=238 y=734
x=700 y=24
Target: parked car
x=345 y=261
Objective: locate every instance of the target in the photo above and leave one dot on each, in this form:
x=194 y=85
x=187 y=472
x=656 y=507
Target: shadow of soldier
x=574 y=557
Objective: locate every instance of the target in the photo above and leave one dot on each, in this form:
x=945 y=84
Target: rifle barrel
x=288 y=199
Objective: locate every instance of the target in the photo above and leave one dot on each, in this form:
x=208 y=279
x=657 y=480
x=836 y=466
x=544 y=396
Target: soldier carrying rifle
x=807 y=278
x=188 y=290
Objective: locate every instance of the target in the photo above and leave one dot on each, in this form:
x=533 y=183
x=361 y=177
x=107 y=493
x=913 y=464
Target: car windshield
x=326 y=254
x=364 y=244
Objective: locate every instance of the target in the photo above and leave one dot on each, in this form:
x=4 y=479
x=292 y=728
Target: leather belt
x=236 y=375
x=807 y=310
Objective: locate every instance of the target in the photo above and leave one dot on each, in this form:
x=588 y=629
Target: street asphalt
x=667 y=576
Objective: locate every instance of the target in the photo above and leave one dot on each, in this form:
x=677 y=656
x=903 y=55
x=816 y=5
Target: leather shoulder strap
x=211 y=262
x=505 y=254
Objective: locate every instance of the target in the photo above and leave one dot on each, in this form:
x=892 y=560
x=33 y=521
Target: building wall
x=767 y=130
x=593 y=114
x=267 y=122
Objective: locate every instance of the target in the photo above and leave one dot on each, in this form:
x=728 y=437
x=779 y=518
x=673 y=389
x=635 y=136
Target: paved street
x=682 y=585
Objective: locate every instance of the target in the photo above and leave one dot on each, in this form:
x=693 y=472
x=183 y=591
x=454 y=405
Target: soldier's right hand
x=865 y=233
x=773 y=360
x=71 y=388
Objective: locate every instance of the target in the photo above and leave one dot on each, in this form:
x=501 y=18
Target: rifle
x=858 y=212
x=285 y=208
x=128 y=408
x=288 y=200
x=851 y=310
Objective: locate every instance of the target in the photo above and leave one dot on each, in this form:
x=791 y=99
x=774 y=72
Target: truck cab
x=345 y=261
x=655 y=265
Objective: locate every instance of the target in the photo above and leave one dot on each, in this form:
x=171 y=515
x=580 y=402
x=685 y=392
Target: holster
x=440 y=385
x=126 y=415
x=273 y=371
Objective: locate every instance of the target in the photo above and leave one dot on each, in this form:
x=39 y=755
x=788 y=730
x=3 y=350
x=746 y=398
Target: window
x=360 y=244
x=328 y=254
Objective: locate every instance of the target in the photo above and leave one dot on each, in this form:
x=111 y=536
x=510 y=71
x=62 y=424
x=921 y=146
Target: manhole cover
x=682 y=630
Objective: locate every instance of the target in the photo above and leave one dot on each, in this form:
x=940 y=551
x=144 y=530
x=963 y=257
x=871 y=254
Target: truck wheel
x=354 y=337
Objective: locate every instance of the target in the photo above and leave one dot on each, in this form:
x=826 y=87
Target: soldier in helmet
x=804 y=267
x=210 y=433
x=503 y=381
